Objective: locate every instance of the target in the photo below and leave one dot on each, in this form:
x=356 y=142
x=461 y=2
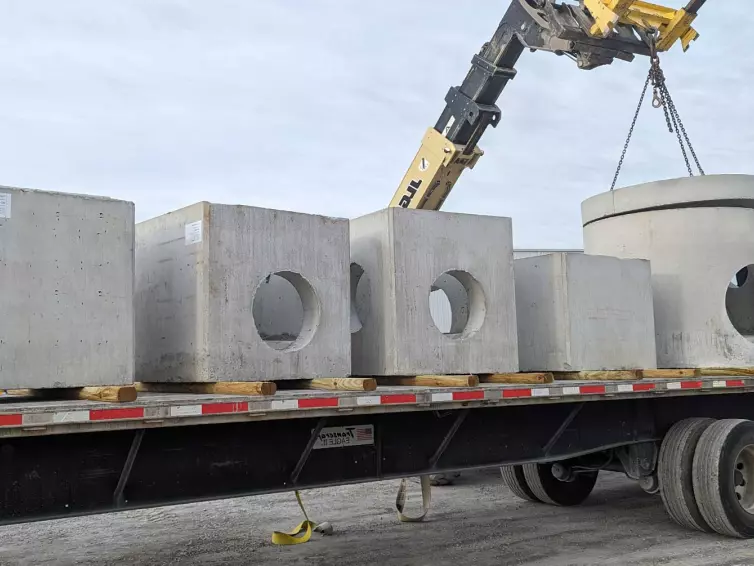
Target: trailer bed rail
x=19 y=417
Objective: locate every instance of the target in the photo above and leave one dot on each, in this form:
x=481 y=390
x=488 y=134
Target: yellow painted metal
x=433 y=173
x=671 y=24
x=680 y=25
x=606 y=14
x=688 y=37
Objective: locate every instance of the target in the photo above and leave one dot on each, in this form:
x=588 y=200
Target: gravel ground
x=477 y=521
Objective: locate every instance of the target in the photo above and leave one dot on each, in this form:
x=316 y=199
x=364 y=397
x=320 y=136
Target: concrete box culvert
x=239 y=293
x=411 y=260
x=66 y=290
x=698 y=234
x=584 y=312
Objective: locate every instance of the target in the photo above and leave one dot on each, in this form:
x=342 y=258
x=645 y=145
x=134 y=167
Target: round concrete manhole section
x=286 y=311
x=457 y=304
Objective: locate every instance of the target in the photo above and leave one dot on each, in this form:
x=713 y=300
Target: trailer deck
x=24 y=417
x=64 y=458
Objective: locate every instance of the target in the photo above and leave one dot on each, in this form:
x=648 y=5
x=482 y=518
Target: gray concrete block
x=577 y=312
x=238 y=293
x=397 y=257
x=697 y=233
x=66 y=290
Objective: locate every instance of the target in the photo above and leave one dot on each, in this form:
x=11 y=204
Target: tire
x=719 y=482
x=675 y=472
x=547 y=489
x=440 y=480
x=514 y=478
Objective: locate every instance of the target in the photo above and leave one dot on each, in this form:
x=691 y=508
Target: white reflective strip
x=287 y=404
x=540 y=392
x=571 y=391
x=719 y=384
x=442 y=397
x=368 y=400
x=673 y=385
x=185 y=411
x=71 y=417
x=623 y=388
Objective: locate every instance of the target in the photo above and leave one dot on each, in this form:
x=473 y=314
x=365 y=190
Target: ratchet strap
x=303 y=532
x=400 y=500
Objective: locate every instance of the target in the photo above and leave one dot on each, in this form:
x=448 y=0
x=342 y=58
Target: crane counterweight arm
x=593 y=33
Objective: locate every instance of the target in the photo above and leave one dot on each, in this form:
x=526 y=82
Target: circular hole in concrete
x=286 y=311
x=739 y=302
x=456 y=304
x=360 y=297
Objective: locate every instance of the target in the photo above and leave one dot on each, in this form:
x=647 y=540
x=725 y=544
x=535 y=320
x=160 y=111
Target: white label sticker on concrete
x=4 y=205
x=342 y=436
x=194 y=233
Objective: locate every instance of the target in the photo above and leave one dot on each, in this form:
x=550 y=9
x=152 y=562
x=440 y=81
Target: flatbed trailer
x=67 y=458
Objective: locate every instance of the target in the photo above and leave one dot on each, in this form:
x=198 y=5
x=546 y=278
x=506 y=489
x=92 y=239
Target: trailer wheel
x=439 y=480
x=674 y=469
x=514 y=478
x=723 y=476
x=548 y=489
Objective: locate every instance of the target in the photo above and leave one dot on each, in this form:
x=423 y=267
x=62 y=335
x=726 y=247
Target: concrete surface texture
x=238 y=293
x=477 y=521
x=66 y=289
x=580 y=312
x=398 y=256
x=697 y=240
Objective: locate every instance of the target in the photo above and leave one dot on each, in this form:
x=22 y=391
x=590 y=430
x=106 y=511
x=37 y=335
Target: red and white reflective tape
x=729 y=383
x=208 y=409
x=73 y=416
x=31 y=417
x=456 y=396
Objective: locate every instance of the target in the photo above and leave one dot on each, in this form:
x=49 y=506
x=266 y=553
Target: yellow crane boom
x=592 y=33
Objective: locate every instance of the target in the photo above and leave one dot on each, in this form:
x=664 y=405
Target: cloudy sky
x=319 y=106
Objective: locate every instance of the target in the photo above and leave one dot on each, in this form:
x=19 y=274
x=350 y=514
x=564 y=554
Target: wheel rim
x=743 y=478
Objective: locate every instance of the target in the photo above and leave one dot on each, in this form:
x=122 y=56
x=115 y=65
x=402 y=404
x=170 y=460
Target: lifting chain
x=660 y=99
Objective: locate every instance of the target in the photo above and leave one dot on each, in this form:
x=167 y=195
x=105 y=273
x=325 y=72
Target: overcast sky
x=320 y=105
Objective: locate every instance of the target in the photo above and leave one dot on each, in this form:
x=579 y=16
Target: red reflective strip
x=218 y=408
x=644 y=386
x=467 y=395
x=318 y=403
x=396 y=399
x=591 y=389
x=11 y=420
x=691 y=385
x=734 y=383
x=114 y=414
x=512 y=393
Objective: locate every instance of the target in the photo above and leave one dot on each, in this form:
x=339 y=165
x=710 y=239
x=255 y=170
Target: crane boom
x=593 y=33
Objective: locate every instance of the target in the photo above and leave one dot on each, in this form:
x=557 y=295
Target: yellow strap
x=400 y=500
x=303 y=532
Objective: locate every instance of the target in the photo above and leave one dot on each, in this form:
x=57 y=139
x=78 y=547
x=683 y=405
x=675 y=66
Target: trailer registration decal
x=343 y=436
